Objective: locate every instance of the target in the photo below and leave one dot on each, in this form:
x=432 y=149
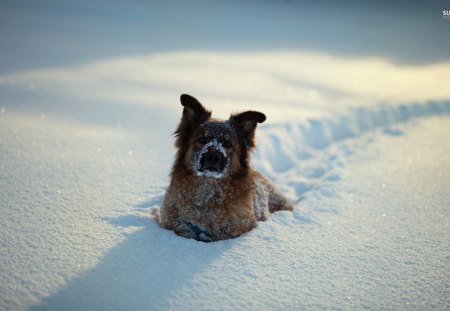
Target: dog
x=214 y=193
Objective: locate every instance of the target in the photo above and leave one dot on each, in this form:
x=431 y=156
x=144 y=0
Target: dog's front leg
x=182 y=229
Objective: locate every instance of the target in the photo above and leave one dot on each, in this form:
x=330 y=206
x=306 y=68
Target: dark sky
x=37 y=34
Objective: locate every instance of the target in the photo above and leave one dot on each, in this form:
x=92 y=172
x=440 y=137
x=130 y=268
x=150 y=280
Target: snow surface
x=359 y=146
x=370 y=227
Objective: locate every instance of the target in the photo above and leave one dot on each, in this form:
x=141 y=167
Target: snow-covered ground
x=359 y=145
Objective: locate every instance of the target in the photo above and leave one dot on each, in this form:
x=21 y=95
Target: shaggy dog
x=214 y=194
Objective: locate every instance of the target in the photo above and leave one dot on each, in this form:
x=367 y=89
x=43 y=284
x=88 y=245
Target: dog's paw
x=183 y=231
x=199 y=232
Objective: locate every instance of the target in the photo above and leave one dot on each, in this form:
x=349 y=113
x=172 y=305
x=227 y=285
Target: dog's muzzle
x=212 y=161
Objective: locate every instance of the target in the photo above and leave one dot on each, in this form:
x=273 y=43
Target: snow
x=357 y=144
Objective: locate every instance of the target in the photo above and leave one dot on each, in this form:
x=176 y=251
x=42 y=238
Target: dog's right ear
x=193 y=113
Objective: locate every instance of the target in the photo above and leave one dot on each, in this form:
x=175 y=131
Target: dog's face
x=212 y=153
x=214 y=148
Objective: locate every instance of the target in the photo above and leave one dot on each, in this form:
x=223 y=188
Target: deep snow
x=358 y=144
x=369 y=228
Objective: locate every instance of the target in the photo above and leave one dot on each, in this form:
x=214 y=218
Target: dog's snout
x=213 y=161
x=212 y=157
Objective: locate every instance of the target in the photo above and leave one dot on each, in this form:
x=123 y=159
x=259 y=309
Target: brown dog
x=214 y=194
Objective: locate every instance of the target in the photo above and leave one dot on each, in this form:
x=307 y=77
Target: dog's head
x=211 y=147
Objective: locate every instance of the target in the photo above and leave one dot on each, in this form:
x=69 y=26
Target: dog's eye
x=202 y=140
x=226 y=144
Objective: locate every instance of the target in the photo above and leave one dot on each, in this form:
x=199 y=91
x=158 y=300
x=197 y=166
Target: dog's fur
x=214 y=194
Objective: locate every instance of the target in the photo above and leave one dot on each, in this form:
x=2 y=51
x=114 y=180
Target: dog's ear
x=193 y=113
x=245 y=124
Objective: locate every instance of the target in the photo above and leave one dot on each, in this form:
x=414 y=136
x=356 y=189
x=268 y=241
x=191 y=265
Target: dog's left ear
x=245 y=124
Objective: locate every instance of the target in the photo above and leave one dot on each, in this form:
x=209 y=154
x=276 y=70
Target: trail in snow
x=307 y=156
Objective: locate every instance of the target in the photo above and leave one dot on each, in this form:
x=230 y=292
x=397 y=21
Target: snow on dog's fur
x=214 y=194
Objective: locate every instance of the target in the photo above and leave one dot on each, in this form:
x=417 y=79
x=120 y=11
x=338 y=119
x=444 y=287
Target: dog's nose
x=212 y=157
x=212 y=161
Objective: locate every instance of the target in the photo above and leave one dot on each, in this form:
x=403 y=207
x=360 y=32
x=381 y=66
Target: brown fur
x=211 y=208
